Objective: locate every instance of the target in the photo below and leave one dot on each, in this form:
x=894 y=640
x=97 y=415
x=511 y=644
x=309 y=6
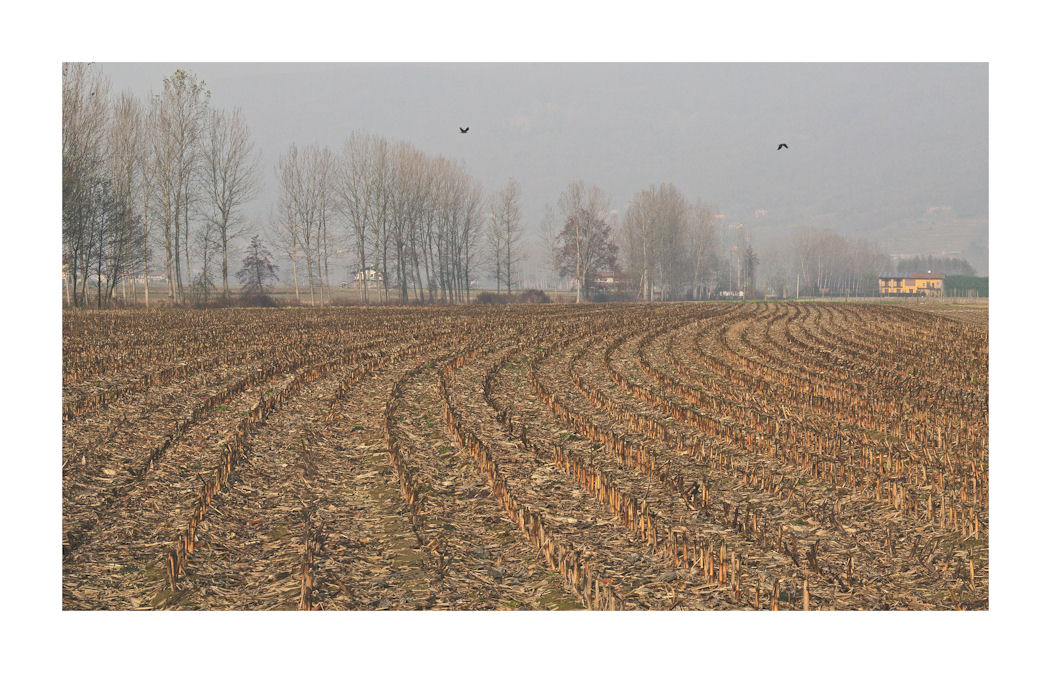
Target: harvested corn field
x=703 y=456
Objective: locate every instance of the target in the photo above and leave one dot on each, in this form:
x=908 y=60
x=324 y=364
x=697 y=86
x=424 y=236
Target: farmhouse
x=370 y=277
x=605 y=282
x=914 y=284
x=605 y=279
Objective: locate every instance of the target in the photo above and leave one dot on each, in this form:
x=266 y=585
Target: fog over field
x=897 y=153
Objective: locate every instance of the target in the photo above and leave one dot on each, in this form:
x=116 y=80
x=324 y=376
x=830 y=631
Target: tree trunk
x=98 y=280
x=580 y=281
x=145 y=250
x=310 y=273
x=177 y=279
x=320 y=278
x=325 y=257
x=186 y=245
x=417 y=278
x=295 y=276
x=386 y=288
x=170 y=255
x=361 y=269
x=226 y=284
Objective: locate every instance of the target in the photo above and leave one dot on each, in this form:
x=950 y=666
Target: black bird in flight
x=465 y=130
x=782 y=145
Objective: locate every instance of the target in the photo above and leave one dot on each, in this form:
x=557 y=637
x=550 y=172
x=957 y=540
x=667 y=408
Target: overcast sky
x=873 y=148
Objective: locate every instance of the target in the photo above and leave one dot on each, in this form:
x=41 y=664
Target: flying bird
x=782 y=145
x=465 y=130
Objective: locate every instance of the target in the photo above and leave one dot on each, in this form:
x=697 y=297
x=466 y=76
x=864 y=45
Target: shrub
x=258 y=299
x=490 y=298
x=532 y=297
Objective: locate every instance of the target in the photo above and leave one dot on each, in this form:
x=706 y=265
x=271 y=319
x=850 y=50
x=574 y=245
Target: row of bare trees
x=304 y=209
x=412 y=221
x=175 y=174
x=170 y=170
x=815 y=262
x=663 y=247
x=670 y=244
x=98 y=223
x=675 y=249
x=830 y=263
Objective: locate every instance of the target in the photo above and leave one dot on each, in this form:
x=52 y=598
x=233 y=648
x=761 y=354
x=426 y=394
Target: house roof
x=901 y=276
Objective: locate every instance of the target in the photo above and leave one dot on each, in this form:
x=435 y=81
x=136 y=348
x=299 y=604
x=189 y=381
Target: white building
x=372 y=277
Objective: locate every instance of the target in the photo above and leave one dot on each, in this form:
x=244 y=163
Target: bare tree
x=507 y=220
x=701 y=239
x=181 y=109
x=548 y=240
x=379 y=224
x=414 y=220
x=288 y=224
x=124 y=138
x=405 y=195
x=229 y=180
x=297 y=206
x=323 y=192
x=148 y=171
x=671 y=218
x=353 y=192
x=84 y=155
x=470 y=206
x=656 y=228
x=108 y=213
x=421 y=220
x=586 y=240
x=494 y=238
x=450 y=185
x=306 y=203
x=639 y=233
x=433 y=227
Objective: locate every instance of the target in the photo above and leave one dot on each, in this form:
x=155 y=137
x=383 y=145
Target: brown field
x=685 y=456
x=972 y=311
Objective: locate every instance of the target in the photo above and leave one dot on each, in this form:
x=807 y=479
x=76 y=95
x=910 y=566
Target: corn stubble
x=605 y=457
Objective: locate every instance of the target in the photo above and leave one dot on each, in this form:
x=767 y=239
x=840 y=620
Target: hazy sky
x=879 y=150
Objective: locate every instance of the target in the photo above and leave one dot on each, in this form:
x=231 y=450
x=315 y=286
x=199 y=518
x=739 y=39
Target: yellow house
x=915 y=284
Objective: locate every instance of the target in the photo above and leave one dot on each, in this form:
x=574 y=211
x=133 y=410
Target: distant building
x=370 y=277
x=603 y=279
x=607 y=281
x=912 y=285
